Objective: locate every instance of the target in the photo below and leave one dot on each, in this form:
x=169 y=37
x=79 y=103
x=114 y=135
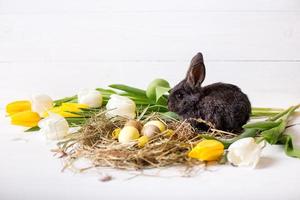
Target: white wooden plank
x=75 y=6
x=150 y=36
x=263 y=82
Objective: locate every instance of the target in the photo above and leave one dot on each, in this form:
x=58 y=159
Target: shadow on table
x=265 y=162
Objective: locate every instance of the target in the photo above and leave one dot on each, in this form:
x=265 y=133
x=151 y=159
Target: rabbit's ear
x=196 y=72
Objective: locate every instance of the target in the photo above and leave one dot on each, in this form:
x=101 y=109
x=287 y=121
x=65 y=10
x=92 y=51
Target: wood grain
x=89 y=31
x=254 y=44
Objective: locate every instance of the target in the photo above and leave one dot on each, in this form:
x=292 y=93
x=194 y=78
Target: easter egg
x=128 y=134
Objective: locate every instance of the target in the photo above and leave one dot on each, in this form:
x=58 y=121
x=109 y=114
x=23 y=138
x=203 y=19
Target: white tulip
x=121 y=106
x=245 y=152
x=55 y=127
x=92 y=98
x=41 y=103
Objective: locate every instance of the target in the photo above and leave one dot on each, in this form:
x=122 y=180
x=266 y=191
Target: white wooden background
x=59 y=46
x=243 y=41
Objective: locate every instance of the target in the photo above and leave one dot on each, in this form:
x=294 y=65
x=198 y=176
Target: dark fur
x=224 y=105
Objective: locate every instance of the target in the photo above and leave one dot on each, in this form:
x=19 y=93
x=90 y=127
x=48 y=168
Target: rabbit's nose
x=194 y=98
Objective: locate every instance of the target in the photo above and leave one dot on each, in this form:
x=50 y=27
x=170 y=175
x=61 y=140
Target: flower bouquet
x=129 y=128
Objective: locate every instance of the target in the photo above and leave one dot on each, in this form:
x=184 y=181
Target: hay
x=95 y=142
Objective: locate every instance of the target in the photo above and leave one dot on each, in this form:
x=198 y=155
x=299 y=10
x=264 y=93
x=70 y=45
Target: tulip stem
x=58 y=102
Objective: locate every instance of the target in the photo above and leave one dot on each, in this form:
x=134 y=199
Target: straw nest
x=95 y=142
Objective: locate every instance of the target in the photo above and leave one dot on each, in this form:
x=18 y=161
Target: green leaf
x=58 y=102
x=155 y=94
x=272 y=135
x=284 y=114
x=226 y=143
x=76 y=121
x=251 y=132
x=247 y=133
x=264 y=112
x=267 y=109
x=263 y=125
x=106 y=91
x=32 y=129
x=289 y=147
x=163 y=101
x=135 y=98
x=160 y=91
x=93 y=110
x=171 y=115
x=143 y=113
x=129 y=89
x=223 y=159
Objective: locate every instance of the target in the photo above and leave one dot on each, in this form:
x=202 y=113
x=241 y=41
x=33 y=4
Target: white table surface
x=57 y=47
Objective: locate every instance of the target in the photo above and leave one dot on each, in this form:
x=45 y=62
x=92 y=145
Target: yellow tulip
x=73 y=107
x=67 y=109
x=25 y=118
x=18 y=106
x=207 y=150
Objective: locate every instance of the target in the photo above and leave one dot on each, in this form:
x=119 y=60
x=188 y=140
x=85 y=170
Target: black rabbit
x=223 y=105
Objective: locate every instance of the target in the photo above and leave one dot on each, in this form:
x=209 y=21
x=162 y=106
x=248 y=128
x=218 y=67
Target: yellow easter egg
x=128 y=134
x=158 y=124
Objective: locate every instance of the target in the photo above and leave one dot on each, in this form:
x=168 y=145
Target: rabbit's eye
x=179 y=96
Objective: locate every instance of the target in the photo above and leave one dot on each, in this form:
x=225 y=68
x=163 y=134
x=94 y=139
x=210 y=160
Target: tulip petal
x=92 y=98
x=18 y=106
x=245 y=152
x=66 y=110
x=26 y=118
x=41 y=103
x=121 y=106
x=55 y=127
x=207 y=150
